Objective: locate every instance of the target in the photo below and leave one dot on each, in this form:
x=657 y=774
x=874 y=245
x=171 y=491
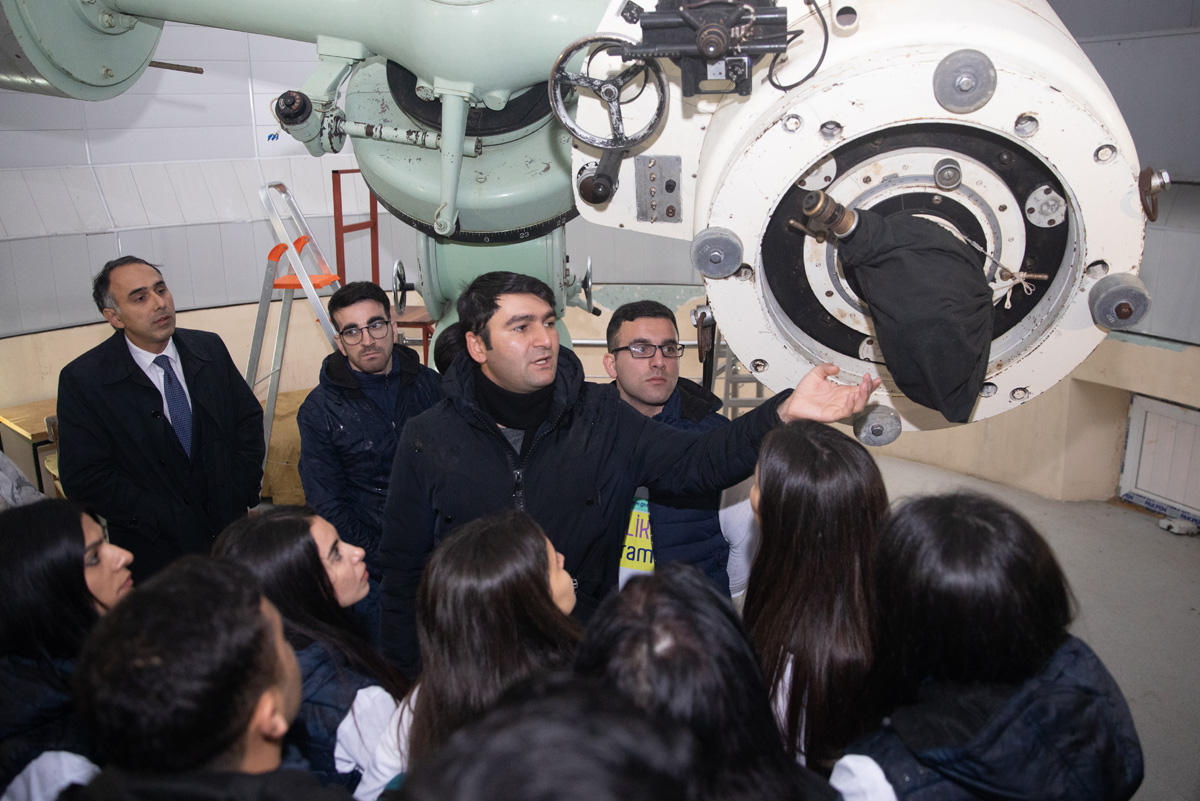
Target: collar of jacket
x=336 y=369
x=459 y=386
x=121 y=365
x=695 y=402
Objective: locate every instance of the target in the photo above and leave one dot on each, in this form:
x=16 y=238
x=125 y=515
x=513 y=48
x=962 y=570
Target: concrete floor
x=1138 y=594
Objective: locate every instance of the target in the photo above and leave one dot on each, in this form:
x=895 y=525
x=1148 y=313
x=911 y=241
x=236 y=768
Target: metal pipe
x=430 y=140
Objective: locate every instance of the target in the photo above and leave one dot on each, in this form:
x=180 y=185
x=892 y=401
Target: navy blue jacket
x=577 y=479
x=347 y=443
x=1064 y=735
x=328 y=687
x=687 y=528
x=119 y=455
x=36 y=714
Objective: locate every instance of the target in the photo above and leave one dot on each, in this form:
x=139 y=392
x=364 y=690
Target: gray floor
x=1138 y=591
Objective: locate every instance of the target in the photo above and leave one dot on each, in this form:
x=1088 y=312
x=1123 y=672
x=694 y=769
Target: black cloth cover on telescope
x=931 y=304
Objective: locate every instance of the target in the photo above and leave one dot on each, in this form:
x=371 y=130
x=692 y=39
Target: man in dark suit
x=158 y=431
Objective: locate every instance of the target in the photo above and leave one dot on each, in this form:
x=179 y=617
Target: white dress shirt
x=145 y=360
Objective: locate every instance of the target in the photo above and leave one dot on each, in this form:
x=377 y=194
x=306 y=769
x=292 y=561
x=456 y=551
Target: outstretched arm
x=818 y=398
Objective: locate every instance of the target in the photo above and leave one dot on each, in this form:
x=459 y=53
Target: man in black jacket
x=643 y=359
x=350 y=423
x=158 y=431
x=189 y=686
x=521 y=428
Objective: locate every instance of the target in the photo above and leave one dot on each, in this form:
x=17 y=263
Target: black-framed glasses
x=645 y=350
x=378 y=329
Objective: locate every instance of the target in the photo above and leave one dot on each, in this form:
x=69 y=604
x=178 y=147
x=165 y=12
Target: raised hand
x=818 y=398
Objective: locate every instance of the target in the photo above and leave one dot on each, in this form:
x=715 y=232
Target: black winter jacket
x=347 y=443
x=1064 y=735
x=577 y=479
x=687 y=528
x=277 y=785
x=37 y=714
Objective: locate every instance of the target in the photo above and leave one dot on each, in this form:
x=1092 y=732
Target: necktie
x=177 y=403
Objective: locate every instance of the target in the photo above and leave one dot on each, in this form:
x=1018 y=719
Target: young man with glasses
x=350 y=423
x=643 y=357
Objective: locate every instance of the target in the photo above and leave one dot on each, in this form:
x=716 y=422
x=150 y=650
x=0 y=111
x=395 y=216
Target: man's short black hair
x=356 y=291
x=477 y=303
x=100 y=293
x=636 y=310
x=559 y=738
x=447 y=346
x=168 y=680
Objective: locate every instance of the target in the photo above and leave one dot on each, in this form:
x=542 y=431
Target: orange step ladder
x=297 y=244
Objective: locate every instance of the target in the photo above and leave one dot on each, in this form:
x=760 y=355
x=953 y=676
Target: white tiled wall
x=45 y=281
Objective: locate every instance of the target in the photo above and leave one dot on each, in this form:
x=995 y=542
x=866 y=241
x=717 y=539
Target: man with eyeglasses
x=350 y=423
x=643 y=357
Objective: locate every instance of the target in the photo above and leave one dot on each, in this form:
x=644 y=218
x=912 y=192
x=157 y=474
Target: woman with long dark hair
x=672 y=644
x=986 y=695
x=820 y=503
x=348 y=690
x=492 y=610
x=59 y=573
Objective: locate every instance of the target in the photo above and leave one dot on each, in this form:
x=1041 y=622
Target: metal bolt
x=1026 y=125
x=106 y=19
x=670 y=211
x=1019 y=394
x=716 y=257
x=758 y=365
x=107 y=72
x=965 y=82
x=877 y=430
x=792 y=122
x=831 y=129
x=1123 y=310
x=947 y=174
x=987 y=390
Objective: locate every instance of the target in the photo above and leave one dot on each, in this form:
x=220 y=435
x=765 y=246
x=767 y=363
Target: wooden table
x=417 y=317
x=28 y=421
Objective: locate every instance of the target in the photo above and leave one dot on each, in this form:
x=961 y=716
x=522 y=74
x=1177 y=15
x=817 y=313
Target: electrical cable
x=791 y=37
